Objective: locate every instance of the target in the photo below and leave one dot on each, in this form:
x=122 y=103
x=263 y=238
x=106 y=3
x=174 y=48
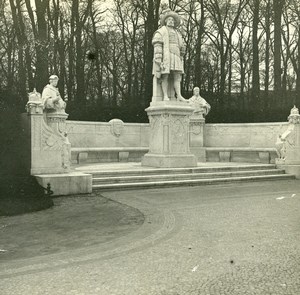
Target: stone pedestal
x=288 y=146
x=169 y=135
x=197 y=137
x=50 y=149
x=47 y=150
x=67 y=183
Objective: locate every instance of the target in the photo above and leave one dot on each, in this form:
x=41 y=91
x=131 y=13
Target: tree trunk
x=255 y=59
x=277 y=7
x=42 y=74
x=267 y=57
x=19 y=27
x=298 y=71
x=151 y=25
x=197 y=70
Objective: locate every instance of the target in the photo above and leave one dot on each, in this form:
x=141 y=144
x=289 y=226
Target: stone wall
x=103 y=134
x=261 y=135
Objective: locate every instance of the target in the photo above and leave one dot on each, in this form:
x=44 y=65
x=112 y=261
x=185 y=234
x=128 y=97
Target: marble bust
x=201 y=107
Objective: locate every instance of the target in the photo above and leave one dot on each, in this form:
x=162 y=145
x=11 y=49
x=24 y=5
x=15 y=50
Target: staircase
x=169 y=177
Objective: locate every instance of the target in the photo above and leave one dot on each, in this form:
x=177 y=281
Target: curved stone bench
x=241 y=154
x=107 y=154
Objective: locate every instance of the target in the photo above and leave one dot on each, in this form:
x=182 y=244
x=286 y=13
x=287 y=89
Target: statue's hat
x=53 y=77
x=169 y=13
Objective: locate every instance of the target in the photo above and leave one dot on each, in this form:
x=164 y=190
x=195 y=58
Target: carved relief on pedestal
x=155 y=122
x=178 y=127
x=57 y=140
x=196 y=128
x=37 y=133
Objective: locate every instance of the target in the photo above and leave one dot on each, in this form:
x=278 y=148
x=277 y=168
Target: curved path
x=222 y=239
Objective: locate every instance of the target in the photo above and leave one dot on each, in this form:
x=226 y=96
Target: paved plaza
x=219 y=239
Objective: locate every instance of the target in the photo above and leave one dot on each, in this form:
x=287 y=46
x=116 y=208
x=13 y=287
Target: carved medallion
x=116 y=127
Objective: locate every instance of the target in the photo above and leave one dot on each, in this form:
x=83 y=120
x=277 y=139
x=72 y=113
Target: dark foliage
x=19 y=192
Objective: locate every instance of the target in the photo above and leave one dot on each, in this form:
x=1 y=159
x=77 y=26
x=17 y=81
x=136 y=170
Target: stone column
x=197 y=137
x=288 y=145
x=50 y=147
x=169 y=135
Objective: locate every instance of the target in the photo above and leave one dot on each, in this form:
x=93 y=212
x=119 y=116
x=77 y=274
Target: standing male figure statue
x=168 y=56
x=51 y=98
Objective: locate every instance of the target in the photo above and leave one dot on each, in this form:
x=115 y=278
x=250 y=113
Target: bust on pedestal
x=48 y=144
x=200 y=109
x=50 y=147
x=288 y=145
x=169 y=112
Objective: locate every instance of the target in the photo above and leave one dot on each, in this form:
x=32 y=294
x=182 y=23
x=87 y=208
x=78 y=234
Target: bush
x=19 y=192
x=22 y=194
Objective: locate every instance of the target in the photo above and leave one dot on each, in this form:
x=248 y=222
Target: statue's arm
x=48 y=98
x=157 y=43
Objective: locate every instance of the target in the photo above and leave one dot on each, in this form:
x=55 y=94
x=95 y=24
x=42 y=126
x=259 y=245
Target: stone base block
x=290 y=169
x=123 y=156
x=82 y=158
x=225 y=156
x=199 y=152
x=264 y=157
x=169 y=161
x=67 y=184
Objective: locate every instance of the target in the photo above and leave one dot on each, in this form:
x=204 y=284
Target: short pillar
x=48 y=145
x=197 y=137
x=288 y=145
x=169 y=135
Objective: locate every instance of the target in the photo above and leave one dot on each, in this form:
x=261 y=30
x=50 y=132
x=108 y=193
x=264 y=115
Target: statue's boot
x=181 y=98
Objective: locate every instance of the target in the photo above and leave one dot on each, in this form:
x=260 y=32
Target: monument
x=47 y=143
x=288 y=145
x=200 y=109
x=169 y=113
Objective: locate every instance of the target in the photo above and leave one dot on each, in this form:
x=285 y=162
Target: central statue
x=168 y=58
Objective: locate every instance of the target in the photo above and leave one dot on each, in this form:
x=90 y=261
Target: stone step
x=162 y=177
x=190 y=182
x=154 y=171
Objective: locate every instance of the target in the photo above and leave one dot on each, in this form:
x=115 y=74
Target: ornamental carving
x=116 y=127
x=54 y=138
x=179 y=134
x=196 y=128
x=155 y=125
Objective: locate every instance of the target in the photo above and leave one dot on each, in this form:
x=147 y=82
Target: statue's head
x=170 y=22
x=169 y=18
x=53 y=80
x=196 y=90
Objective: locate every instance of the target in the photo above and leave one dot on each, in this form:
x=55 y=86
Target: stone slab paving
x=221 y=239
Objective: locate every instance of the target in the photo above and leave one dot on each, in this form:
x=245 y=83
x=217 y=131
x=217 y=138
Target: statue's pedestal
x=49 y=146
x=290 y=160
x=169 y=135
x=47 y=152
x=197 y=137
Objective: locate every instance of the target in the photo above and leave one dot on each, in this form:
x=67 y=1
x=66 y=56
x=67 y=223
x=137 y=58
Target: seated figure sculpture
x=201 y=107
x=168 y=56
x=52 y=101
